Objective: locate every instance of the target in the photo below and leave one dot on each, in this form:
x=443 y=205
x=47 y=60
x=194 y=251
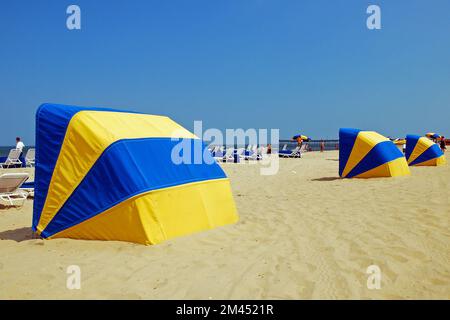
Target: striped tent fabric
x=421 y=151
x=368 y=154
x=109 y=175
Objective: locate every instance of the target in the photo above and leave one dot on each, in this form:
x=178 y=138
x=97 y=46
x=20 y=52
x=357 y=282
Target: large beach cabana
x=110 y=175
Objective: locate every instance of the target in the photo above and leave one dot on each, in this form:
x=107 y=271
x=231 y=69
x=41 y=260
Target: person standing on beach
x=20 y=145
x=443 y=146
x=322 y=146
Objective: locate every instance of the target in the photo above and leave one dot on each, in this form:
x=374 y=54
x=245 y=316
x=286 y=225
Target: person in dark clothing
x=443 y=146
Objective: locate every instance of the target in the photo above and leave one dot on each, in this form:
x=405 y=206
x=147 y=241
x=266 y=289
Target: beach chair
x=218 y=154
x=12 y=160
x=212 y=150
x=304 y=148
x=290 y=153
x=10 y=192
x=262 y=151
x=240 y=152
x=229 y=155
x=30 y=157
x=255 y=154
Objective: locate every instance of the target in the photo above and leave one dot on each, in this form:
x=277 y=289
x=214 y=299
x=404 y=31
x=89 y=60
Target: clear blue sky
x=309 y=66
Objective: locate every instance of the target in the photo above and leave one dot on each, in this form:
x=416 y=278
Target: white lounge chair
x=212 y=149
x=255 y=154
x=229 y=155
x=240 y=153
x=293 y=154
x=30 y=157
x=10 y=192
x=262 y=151
x=304 y=148
x=13 y=159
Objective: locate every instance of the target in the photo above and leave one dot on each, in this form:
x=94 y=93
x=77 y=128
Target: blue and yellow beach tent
x=421 y=151
x=110 y=175
x=368 y=154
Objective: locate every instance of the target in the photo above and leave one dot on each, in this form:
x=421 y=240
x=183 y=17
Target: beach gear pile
x=109 y=175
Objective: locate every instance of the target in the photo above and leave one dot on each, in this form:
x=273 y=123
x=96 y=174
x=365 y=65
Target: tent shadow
x=332 y=159
x=18 y=235
x=327 y=179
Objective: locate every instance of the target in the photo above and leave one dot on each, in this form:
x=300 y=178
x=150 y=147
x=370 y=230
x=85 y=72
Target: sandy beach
x=303 y=234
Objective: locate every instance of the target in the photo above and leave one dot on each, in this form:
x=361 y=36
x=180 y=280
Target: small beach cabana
x=421 y=151
x=109 y=175
x=368 y=154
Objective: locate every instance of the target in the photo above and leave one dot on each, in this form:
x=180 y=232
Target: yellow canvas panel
x=441 y=160
x=433 y=162
x=422 y=145
x=364 y=142
x=89 y=133
x=159 y=215
x=395 y=168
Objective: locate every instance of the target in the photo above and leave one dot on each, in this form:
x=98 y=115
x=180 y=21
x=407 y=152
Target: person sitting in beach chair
x=13 y=159
x=10 y=192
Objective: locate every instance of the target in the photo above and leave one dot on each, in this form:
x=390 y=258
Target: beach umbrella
x=304 y=138
x=433 y=135
x=399 y=141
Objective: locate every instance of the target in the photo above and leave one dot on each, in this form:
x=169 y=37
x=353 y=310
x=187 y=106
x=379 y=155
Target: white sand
x=302 y=234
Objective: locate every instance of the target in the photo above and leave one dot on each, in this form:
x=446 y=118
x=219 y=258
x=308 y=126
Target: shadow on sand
x=18 y=235
x=326 y=179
